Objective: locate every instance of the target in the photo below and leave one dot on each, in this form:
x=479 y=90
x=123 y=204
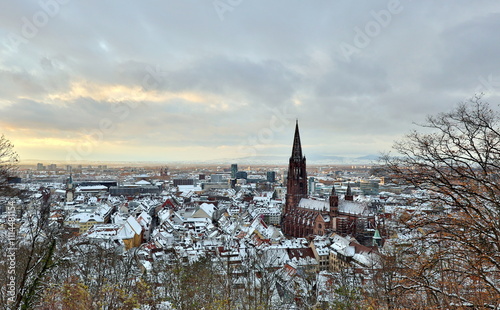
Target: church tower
x=297 y=176
x=348 y=194
x=70 y=191
x=334 y=203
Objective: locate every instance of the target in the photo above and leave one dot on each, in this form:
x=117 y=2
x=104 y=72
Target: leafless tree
x=36 y=243
x=31 y=240
x=8 y=164
x=455 y=159
x=190 y=285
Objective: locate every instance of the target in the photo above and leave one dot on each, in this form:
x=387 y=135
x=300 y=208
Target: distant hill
x=312 y=159
x=250 y=160
x=369 y=157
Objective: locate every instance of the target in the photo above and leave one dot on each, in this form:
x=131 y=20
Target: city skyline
x=181 y=81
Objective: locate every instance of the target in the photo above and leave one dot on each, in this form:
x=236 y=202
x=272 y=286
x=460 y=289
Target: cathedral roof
x=348 y=207
x=316 y=205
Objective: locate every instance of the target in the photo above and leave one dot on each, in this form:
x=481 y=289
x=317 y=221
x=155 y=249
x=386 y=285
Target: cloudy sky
x=196 y=80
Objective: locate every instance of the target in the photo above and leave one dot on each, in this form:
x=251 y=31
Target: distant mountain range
x=313 y=159
x=344 y=159
x=251 y=160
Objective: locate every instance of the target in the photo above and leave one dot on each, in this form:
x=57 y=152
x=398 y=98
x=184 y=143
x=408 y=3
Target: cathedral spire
x=334 y=203
x=348 y=193
x=297 y=147
x=296 y=188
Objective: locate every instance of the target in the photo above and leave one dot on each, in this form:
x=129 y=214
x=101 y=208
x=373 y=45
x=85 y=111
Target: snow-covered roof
x=189 y=188
x=260 y=198
x=103 y=231
x=85 y=217
x=126 y=232
x=339 y=243
x=366 y=259
x=323 y=251
x=147 y=265
x=136 y=227
x=103 y=209
x=91 y=188
x=317 y=205
x=142 y=182
x=144 y=219
x=208 y=208
x=274 y=257
x=351 y=207
x=345 y=206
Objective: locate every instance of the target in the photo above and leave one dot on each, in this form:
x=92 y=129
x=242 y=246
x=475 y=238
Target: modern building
x=241 y=175
x=312 y=185
x=234 y=170
x=132 y=190
x=177 y=182
x=369 y=187
x=271 y=176
x=217 y=178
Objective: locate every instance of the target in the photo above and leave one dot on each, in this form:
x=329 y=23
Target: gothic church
x=304 y=217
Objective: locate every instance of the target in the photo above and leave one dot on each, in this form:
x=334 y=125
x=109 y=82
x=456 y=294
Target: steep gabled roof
x=134 y=225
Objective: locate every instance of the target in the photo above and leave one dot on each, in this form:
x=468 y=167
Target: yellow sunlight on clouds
x=120 y=93
x=107 y=93
x=58 y=142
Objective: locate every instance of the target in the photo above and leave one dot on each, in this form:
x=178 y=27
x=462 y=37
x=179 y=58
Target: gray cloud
x=223 y=80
